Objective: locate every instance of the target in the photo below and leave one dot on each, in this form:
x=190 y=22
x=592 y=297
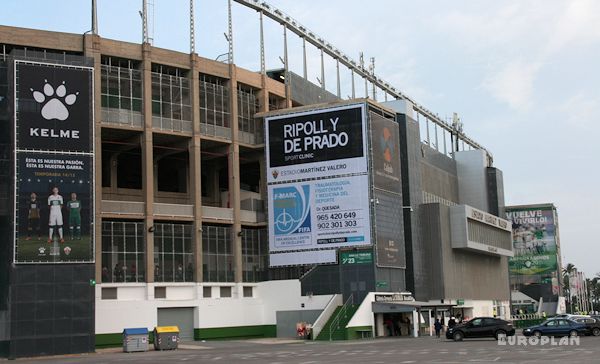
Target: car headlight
x=527 y=330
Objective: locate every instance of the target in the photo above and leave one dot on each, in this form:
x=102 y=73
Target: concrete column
x=148 y=161
x=195 y=168
x=113 y=172
x=91 y=49
x=233 y=162
x=416 y=322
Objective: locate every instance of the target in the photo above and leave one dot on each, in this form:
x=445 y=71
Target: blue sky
x=522 y=75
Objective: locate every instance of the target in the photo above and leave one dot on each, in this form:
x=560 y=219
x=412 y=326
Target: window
x=173 y=253
x=255 y=249
x=171 y=99
x=160 y=292
x=225 y=291
x=206 y=292
x=123 y=251
x=214 y=101
x=247 y=108
x=476 y=322
x=217 y=253
x=248 y=291
x=121 y=84
x=109 y=293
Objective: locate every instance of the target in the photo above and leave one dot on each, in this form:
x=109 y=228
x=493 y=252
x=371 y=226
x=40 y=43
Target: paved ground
x=380 y=351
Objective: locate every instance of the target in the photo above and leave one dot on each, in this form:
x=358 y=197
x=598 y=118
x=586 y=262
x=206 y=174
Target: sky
x=523 y=75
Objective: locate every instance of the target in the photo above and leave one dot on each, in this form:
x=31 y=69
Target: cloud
x=513 y=84
x=581 y=110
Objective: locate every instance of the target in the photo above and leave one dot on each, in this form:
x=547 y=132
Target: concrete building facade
x=180 y=216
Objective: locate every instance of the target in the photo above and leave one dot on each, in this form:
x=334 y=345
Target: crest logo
x=291 y=210
x=54 y=107
x=275 y=173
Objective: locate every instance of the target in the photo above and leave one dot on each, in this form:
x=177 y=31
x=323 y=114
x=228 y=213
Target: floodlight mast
x=327 y=48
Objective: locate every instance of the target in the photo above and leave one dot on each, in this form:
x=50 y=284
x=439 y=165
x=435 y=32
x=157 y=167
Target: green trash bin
x=166 y=337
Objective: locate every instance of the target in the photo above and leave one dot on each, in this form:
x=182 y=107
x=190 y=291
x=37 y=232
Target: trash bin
x=135 y=339
x=166 y=337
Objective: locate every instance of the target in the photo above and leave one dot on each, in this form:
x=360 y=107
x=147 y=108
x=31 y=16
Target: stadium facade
x=169 y=224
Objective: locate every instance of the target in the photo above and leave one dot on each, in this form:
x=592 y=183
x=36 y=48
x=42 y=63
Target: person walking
x=438 y=327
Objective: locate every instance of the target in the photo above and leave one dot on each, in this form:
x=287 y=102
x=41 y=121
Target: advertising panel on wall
x=534 y=241
x=316 y=144
x=54 y=189
x=54 y=164
x=385 y=137
x=326 y=213
x=318 y=186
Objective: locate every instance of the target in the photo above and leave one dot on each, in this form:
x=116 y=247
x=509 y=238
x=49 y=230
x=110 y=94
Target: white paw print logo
x=55 y=108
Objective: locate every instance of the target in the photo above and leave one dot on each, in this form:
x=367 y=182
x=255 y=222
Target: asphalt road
x=379 y=351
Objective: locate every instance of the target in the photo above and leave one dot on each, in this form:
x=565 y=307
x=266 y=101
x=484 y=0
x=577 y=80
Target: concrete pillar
x=148 y=161
x=195 y=168
x=381 y=331
x=233 y=162
x=416 y=322
x=91 y=49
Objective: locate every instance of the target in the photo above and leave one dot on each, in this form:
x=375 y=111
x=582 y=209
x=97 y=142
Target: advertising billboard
x=54 y=107
x=54 y=208
x=534 y=241
x=54 y=164
x=385 y=139
x=327 y=213
x=318 y=186
x=316 y=144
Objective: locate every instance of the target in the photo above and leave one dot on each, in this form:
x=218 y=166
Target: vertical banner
x=385 y=157
x=385 y=142
x=534 y=241
x=54 y=164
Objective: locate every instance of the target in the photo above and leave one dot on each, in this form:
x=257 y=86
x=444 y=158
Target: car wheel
x=500 y=333
x=596 y=331
x=537 y=333
x=458 y=336
x=573 y=333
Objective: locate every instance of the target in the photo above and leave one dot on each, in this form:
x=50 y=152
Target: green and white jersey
x=74 y=207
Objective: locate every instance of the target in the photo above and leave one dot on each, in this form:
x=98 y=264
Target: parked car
x=592 y=324
x=556 y=327
x=480 y=327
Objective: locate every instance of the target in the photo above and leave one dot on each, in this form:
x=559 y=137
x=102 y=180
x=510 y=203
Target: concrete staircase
x=335 y=328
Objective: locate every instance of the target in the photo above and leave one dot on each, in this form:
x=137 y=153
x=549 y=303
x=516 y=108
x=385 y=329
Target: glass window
x=214 y=101
x=225 y=291
x=255 y=255
x=247 y=108
x=171 y=99
x=123 y=252
x=206 y=292
x=121 y=86
x=172 y=261
x=217 y=253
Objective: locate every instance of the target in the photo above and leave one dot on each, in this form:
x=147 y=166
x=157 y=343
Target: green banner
x=534 y=241
x=533 y=264
x=356 y=257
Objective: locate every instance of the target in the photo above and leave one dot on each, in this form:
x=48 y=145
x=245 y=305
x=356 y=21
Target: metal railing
x=344 y=310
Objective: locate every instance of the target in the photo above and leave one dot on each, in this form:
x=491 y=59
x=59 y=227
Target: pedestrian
x=438 y=327
x=390 y=326
x=451 y=322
